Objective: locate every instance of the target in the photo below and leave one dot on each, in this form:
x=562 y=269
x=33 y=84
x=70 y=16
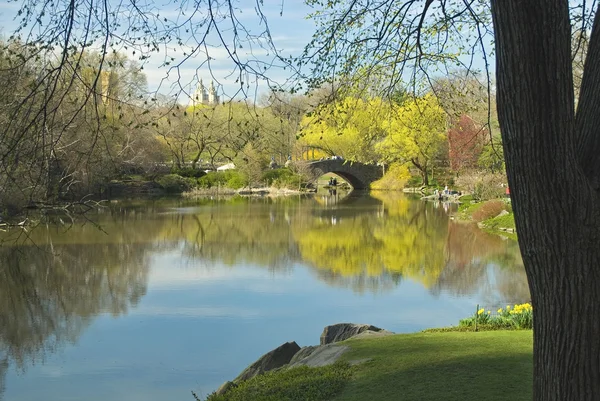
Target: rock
x=303 y=353
x=503 y=213
x=343 y=331
x=321 y=356
x=225 y=387
x=274 y=359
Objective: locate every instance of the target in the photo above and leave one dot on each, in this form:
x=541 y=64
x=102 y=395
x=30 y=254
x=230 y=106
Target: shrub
x=395 y=178
x=230 y=178
x=282 y=178
x=488 y=210
x=237 y=180
x=173 y=183
x=188 y=172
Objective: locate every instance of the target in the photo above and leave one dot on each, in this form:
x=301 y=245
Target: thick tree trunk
x=556 y=207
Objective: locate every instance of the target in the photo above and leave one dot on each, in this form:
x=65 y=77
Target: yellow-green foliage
x=416 y=131
x=394 y=179
x=407 y=244
x=348 y=128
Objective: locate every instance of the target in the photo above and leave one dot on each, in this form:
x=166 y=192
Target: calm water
x=169 y=297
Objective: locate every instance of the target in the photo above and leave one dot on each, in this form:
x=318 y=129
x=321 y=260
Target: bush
x=230 y=178
x=517 y=317
x=188 y=172
x=281 y=178
x=237 y=181
x=488 y=210
x=173 y=183
x=395 y=178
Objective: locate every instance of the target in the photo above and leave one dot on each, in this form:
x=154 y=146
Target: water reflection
x=53 y=285
x=50 y=293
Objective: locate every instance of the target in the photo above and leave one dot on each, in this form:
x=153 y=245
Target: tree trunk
x=556 y=208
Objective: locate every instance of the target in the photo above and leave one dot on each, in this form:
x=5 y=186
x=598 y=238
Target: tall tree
x=416 y=134
x=551 y=149
x=465 y=142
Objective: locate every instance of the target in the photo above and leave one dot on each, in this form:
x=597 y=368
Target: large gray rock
x=320 y=356
x=277 y=358
x=303 y=353
x=343 y=331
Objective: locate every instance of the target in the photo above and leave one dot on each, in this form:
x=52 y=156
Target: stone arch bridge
x=359 y=175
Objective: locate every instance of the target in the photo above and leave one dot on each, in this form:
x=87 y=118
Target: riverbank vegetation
x=495 y=365
x=111 y=130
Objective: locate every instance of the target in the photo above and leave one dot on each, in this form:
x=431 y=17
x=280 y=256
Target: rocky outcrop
x=320 y=356
x=303 y=353
x=277 y=358
x=343 y=331
x=290 y=354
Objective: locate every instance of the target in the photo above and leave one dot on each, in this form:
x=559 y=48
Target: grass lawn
x=492 y=365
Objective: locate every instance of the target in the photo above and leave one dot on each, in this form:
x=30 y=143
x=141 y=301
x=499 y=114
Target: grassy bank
x=493 y=365
x=495 y=215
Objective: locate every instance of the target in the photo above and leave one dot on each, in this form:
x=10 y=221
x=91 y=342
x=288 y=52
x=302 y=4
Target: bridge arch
x=358 y=175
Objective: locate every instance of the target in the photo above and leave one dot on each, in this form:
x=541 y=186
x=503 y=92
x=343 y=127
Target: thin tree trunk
x=556 y=208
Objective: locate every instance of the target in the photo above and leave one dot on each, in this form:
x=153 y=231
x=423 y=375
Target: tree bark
x=551 y=181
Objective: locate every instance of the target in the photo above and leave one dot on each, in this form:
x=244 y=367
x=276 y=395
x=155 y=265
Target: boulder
x=277 y=358
x=303 y=353
x=343 y=331
x=225 y=387
x=322 y=355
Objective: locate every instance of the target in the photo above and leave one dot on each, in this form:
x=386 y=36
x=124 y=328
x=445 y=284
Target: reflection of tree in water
x=50 y=293
x=400 y=239
x=478 y=262
x=360 y=283
x=367 y=243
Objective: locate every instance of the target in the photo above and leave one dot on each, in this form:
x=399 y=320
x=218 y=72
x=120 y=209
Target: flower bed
x=519 y=316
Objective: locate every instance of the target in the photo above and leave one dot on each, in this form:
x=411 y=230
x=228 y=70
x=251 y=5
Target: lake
x=151 y=300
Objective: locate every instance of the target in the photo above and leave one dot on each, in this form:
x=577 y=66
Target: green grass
x=298 y=384
x=492 y=365
x=466 y=209
x=506 y=221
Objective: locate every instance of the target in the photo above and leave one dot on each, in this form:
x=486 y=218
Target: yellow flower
x=500 y=310
x=489 y=312
x=507 y=307
x=480 y=311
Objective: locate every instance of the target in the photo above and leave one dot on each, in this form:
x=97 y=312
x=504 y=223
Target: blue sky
x=288 y=26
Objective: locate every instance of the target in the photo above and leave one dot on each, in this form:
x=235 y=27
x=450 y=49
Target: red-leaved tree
x=465 y=143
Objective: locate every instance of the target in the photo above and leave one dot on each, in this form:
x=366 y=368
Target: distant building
x=228 y=166
x=205 y=96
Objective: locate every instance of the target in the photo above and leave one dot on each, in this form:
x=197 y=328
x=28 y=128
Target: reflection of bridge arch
x=359 y=175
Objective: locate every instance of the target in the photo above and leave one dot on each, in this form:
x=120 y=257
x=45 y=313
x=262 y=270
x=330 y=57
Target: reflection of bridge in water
x=358 y=175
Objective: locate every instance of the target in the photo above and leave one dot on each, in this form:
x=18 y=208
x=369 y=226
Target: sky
x=289 y=28
x=177 y=64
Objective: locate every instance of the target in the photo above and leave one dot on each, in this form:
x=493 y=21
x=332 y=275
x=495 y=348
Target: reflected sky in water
x=179 y=296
